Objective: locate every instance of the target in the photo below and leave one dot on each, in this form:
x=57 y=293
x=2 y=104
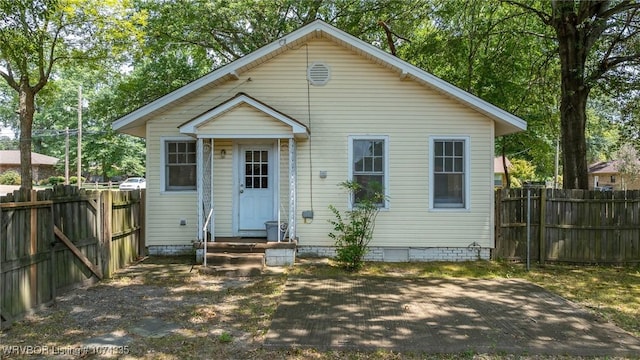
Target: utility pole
x=80 y=136
x=66 y=157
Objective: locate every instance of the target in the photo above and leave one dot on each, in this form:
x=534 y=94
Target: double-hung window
x=369 y=167
x=449 y=172
x=180 y=165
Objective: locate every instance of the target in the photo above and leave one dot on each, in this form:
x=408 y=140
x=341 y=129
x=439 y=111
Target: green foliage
x=225 y=337
x=484 y=47
x=53 y=180
x=36 y=37
x=73 y=180
x=10 y=177
x=521 y=171
x=602 y=134
x=353 y=231
x=627 y=163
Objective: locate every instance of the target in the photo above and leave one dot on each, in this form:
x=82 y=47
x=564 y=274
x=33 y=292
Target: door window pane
x=256 y=169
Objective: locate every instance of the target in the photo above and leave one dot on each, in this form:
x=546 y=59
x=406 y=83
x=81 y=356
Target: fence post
x=106 y=231
x=52 y=253
x=496 y=218
x=33 y=248
x=142 y=241
x=543 y=238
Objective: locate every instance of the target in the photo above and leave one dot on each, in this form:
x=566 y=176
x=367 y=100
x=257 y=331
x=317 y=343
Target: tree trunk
x=26 y=110
x=574 y=94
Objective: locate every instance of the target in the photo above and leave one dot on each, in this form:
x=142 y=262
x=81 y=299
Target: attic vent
x=318 y=74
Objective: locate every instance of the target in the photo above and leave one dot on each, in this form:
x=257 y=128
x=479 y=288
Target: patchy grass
x=228 y=318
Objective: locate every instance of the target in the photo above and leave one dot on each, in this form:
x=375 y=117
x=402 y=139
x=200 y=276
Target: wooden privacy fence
x=56 y=239
x=575 y=226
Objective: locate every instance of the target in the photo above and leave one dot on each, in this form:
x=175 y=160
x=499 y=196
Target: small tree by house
x=353 y=230
x=627 y=164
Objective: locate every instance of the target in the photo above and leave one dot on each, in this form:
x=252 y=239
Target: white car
x=134 y=183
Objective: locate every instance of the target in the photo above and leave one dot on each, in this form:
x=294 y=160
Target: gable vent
x=318 y=74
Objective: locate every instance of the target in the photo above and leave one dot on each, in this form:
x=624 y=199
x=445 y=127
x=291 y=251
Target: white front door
x=256 y=189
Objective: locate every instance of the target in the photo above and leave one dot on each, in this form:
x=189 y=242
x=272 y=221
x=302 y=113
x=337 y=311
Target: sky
x=6 y=132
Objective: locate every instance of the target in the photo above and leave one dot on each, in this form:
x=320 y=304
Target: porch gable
x=243 y=116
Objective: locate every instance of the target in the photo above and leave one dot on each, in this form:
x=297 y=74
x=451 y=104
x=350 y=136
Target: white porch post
x=293 y=179
x=211 y=203
x=199 y=183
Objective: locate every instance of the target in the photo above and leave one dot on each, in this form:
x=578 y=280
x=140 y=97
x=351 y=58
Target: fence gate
x=61 y=238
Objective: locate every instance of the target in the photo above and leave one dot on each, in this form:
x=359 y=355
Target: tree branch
x=546 y=18
x=392 y=46
x=609 y=64
x=10 y=80
x=45 y=74
x=623 y=6
x=601 y=23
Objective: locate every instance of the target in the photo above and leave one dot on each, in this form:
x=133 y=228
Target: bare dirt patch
x=160 y=308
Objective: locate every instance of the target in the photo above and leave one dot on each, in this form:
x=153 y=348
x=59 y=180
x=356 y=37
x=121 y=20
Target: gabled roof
x=506 y=123
x=191 y=127
x=603 y=167
x=12 y=157
x=606 y=167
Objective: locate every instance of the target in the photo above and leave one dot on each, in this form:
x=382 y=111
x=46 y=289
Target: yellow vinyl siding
x=166 y=209
x=244 y=120
x=361 y=98
x=223 y=187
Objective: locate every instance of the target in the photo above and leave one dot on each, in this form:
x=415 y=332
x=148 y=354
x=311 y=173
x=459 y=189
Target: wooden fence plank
x=570 y=225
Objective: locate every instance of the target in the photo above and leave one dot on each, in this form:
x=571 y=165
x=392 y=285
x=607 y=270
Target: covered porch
x=246 y=156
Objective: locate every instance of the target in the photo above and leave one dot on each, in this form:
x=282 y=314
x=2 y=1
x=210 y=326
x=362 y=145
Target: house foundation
x=406 y=254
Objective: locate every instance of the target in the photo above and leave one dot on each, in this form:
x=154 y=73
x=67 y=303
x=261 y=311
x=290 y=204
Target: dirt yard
x=159 y=309
x=163 y=308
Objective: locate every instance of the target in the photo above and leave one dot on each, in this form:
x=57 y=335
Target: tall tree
x=228 y=30
x=484 y=47
x=598 y=42
x=37 y=35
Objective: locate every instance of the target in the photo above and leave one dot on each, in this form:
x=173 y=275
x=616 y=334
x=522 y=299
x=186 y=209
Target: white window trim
x=163 y=165
x=351 y=138
x=467 y=171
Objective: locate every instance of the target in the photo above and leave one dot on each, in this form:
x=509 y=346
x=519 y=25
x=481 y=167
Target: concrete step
x=230 y=247
x=255 y=259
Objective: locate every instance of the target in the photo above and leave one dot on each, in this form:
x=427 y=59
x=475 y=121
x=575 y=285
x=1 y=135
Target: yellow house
x=270 y=136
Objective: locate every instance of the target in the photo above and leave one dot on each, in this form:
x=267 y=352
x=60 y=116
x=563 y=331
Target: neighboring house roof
x=12 y=157
x=497 y=164
x=133 y=123
x=604 y=167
